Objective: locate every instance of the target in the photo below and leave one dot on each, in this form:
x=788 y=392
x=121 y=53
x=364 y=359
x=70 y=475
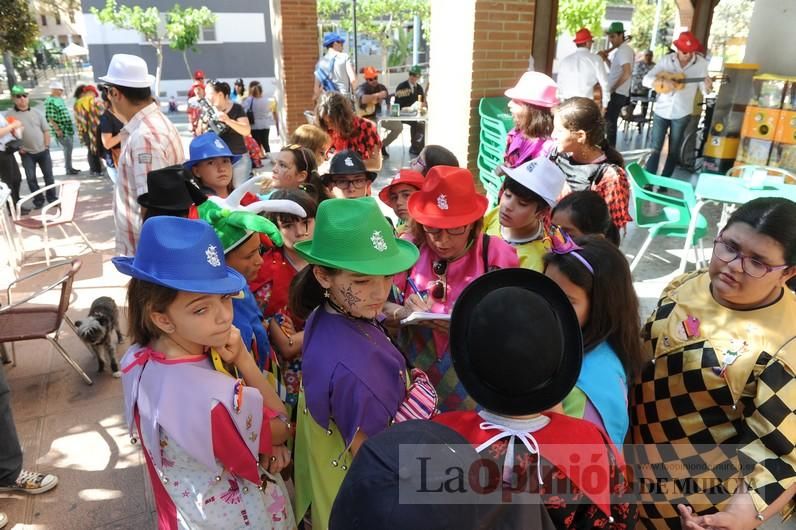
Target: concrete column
x=479 y=49
x=294 y=26
x=771 y=37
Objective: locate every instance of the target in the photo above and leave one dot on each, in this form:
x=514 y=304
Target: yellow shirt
x=724 y=426
x=531 y=253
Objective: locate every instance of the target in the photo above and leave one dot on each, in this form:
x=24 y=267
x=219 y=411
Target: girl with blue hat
x=211 y=164
x=208 y=438
x=355 y=381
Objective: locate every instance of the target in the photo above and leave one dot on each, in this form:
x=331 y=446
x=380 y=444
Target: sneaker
x=72 y=171
x=32 y=483
x=3 y=520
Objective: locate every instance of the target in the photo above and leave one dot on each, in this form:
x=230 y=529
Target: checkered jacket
x=705 y=430
x=56 y=112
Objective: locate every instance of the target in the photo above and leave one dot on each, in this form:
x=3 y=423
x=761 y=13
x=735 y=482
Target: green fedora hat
x=616 y=27
x=353 y=235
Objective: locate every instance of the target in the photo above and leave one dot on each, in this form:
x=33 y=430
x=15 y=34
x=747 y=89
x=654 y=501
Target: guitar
x=666 y=82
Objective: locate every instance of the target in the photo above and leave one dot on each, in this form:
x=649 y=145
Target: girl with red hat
x=532 y=99
x=446 y=224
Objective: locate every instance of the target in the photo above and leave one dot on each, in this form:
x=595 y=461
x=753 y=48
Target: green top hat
x=353 y=235
x=616 y=27
x=18 y=90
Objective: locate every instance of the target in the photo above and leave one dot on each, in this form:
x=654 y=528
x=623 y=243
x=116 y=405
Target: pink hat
x=535 y=88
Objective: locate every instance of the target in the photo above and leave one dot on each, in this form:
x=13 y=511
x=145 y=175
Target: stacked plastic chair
x=496 y=122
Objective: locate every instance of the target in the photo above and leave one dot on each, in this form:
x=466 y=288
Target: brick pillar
x=294 y=26
x=479 y=49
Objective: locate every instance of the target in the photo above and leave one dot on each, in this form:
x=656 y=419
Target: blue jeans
x=10 y=451
x=67 y=143
x=29 y=162
x=676 y=129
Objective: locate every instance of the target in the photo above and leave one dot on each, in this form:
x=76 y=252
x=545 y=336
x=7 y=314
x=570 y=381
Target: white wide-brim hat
x=56 y=85
x=129 y=71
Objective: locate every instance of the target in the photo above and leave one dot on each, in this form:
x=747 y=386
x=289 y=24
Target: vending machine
x=783 y=153
x=763 y=118
x=723 y=138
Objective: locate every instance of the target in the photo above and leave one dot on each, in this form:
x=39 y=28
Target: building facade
x=239 y=45
x=62 y=27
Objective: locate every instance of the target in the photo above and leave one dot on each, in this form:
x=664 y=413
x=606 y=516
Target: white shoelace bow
x=524 y=436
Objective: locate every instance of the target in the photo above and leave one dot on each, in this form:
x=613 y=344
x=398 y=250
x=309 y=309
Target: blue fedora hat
x=183 y=254
x=331 y=38
x=206 y=146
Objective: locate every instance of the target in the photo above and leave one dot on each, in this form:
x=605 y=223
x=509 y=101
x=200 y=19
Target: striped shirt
x=56 y=113
x=149 y=141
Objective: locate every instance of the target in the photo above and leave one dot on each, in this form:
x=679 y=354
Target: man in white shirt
x=620 y=62
x=336 y=65
x=581 y=70
x=149 y=141
x=675 y=101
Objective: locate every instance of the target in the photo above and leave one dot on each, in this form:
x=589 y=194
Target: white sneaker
x=32 y=483
x=3 y=520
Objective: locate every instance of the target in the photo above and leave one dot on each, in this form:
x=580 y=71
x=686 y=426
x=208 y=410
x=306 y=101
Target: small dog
x=96 y=329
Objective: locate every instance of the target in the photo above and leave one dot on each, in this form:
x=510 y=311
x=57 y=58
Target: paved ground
x=77 y=431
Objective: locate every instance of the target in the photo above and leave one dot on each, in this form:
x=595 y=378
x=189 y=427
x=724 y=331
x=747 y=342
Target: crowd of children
x=281 y=329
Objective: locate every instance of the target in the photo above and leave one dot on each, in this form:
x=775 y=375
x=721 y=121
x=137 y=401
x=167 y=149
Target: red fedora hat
x=583 y=35
x=405 y=176
x=447 y=199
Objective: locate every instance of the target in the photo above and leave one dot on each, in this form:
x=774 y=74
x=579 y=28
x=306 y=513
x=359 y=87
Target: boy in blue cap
x=334 y=71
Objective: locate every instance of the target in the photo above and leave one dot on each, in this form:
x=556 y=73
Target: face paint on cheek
x=349 y=298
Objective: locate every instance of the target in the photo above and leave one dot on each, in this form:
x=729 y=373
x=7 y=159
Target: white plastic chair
x=7 y=227
x=57 y=213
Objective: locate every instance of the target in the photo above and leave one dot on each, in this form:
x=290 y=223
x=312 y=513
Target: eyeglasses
x=457 y=231
x=440 y=288
x=755 y=268
x=345 y=184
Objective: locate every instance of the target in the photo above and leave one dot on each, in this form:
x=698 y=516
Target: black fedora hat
x=347 y=163
x=515 y=342
x=166 y=190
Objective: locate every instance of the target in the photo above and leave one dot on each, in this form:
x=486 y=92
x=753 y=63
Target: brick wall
x=502 y=33
x=295 y=33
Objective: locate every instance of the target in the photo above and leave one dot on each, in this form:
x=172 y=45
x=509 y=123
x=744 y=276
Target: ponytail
x=611 y=155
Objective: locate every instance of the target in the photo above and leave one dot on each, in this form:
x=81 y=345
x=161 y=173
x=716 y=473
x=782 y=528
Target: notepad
x=422 y=316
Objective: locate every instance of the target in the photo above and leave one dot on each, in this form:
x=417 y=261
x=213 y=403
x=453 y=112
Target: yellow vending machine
x=761 y=119
x=736 y=90
x=783 y=153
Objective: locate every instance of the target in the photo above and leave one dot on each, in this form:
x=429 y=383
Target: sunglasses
x=20 y=96
x=440 y=288
x=371 y=78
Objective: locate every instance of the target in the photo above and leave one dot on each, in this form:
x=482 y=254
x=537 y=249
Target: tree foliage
x=184 y=28
x=181 y=31
x=730 y=28
x=380 y=20
x=644 y=20
x=576 y=14
x=18 y=29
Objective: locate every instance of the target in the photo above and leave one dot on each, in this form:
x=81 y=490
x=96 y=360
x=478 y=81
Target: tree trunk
x=159 y=51
x=11 y=76
x=187 y=66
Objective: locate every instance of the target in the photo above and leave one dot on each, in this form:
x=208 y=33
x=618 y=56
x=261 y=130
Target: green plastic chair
x=675 y=213
x=497 y=108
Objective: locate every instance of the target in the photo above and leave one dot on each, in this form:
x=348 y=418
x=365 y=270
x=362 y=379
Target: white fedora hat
x=55 y=84
x=541 y=176
x=129 y=71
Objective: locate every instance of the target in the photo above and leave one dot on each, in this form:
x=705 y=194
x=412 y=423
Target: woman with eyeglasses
x=720 y=385
x=447 y=226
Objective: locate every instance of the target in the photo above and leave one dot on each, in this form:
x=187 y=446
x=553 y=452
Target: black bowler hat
x=347 y=163
x=387 y=465
x=515 y=342
x=166 y=190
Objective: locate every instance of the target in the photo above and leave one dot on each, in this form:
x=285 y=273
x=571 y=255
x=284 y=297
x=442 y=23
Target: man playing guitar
x=675 y=78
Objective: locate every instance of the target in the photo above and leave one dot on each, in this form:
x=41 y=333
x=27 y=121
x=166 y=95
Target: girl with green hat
x=355 y=381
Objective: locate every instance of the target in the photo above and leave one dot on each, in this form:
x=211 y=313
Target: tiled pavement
x=77 y=431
